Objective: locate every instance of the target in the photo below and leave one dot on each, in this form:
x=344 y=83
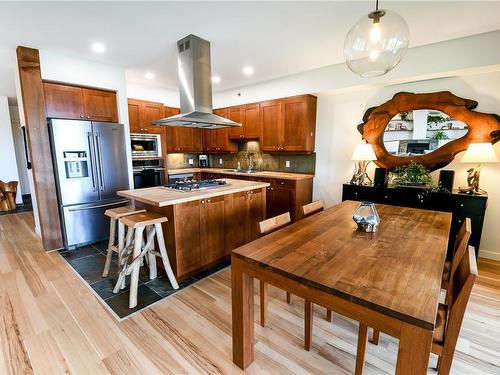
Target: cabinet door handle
x=82 y=116
x=202 y=201
x=88 y=117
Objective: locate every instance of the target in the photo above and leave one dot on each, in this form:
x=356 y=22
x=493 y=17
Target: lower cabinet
x=281 y=196
x=202 y=232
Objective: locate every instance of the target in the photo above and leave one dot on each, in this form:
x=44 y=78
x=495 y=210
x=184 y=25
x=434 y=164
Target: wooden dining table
x=389 y=280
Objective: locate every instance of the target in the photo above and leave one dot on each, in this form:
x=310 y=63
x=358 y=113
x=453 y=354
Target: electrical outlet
x=287 y=164
x=190 y=161
x=220 y=161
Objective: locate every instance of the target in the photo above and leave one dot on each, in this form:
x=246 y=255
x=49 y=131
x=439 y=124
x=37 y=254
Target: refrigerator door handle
x=99 y=154
x=98 y=206
x=92 y=160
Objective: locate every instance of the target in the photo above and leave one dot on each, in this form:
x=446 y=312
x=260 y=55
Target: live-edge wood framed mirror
x=428 y=128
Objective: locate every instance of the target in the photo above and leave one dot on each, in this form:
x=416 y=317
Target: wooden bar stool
x=115 y=214
x=134 y=253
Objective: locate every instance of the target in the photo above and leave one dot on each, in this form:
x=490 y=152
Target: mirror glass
x=421 y=131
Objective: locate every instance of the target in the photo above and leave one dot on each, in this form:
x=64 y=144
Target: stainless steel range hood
x=195 y=86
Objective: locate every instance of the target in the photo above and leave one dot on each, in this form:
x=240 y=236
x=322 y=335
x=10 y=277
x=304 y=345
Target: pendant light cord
x=376 y=5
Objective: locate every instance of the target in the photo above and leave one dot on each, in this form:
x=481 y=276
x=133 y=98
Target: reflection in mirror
x=421 y=131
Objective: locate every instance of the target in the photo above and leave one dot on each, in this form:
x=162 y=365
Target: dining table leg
x=414 y=350
x=242 y=309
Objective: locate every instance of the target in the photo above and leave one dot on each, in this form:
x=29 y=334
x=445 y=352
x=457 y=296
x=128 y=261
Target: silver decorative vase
x=366 y=217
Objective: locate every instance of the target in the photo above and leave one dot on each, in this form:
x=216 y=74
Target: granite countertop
x=160 y=196
x=268 y=174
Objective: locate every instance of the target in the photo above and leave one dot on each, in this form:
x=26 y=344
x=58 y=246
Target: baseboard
x=489 y=254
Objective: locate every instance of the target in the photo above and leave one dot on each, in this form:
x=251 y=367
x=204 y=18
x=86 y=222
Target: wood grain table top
x=396 y=271
x=160 y=196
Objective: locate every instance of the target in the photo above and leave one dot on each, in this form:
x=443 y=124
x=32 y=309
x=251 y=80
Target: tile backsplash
x=266 y=162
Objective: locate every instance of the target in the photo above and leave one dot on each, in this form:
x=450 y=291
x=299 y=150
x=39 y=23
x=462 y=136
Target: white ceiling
x=276 y=38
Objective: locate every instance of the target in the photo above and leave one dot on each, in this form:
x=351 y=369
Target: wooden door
x=152 y=112
x=188 y=236
x=253 y=214
x=269 y=195
x=134 y=115
x=295 y=124
x=271 y=123
x=212 y=229
x=237 y=114
x=63 y=101
x=234 y=216
x=283 y=198
x=252 y=126
x=100 y=105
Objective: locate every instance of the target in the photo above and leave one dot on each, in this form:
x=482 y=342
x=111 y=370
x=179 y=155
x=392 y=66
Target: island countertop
x=161 y=197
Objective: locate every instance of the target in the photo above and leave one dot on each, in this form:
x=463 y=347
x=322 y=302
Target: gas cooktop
x=193 y=185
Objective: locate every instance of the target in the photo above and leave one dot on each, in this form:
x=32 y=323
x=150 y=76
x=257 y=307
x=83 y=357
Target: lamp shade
x=480 y=153
x=363 y=151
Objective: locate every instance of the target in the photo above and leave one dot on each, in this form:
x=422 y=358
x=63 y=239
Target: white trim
x=495 y=255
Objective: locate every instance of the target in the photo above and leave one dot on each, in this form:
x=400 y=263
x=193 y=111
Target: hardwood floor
x=51 y=323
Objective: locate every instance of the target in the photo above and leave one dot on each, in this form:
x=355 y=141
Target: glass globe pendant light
x=376 y=43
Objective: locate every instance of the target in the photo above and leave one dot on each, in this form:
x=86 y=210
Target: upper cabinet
x=73 y=102
x=288 y=124
x=217 y=140
x=249 y=116
x=182 y=139
x=140 y=115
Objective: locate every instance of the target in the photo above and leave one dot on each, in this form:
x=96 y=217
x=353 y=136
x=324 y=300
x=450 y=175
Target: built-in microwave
x=145 y=145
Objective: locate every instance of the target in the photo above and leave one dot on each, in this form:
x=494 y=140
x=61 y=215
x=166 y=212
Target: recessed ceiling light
x=98 y=47
x=215 y=79
x=149 y=75
x=248 y=70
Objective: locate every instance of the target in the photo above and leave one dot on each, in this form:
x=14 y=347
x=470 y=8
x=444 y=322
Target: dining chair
x=309 y=210
x=459 y=249
x=266 y=227
x=313 y=208
x=448 y=320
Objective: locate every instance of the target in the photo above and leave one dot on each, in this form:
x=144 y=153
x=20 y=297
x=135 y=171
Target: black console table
x=460 y=205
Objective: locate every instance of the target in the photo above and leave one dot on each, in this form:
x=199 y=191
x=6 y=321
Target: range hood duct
x=195 y=87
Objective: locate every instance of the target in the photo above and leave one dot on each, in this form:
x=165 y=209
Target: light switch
x=190 y=161
x=287 y=164
x=220 y=161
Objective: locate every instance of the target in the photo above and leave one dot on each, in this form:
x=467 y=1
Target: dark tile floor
x=89 y=261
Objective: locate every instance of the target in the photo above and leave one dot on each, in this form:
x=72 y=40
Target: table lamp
x=363 y=154
x=477 y=153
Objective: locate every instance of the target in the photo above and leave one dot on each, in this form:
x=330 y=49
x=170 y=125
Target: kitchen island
x=205 y=225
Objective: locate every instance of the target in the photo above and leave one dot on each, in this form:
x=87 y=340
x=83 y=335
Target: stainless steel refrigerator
x=91 y=166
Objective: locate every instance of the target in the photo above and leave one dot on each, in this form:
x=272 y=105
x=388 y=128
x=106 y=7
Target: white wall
x=339 y=114
x=66 y=69
x=140 y=91
x=17 y=135
x=8 y=165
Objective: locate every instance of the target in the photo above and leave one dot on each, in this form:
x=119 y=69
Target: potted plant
x=439 y=135
x=412 y=175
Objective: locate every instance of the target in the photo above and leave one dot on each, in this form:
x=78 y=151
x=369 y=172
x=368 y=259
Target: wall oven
x=145 y=145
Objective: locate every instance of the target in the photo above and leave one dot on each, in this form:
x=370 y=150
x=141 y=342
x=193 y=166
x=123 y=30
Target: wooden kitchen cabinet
x=243 y=212
x=182 y=139
x=271 y=113
x=203 y=232
x=75 y=102
x=100 y=105
x=249 y=116
x=141 y=113
x=212 y=229
x=288 y=125
x=217 y=140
